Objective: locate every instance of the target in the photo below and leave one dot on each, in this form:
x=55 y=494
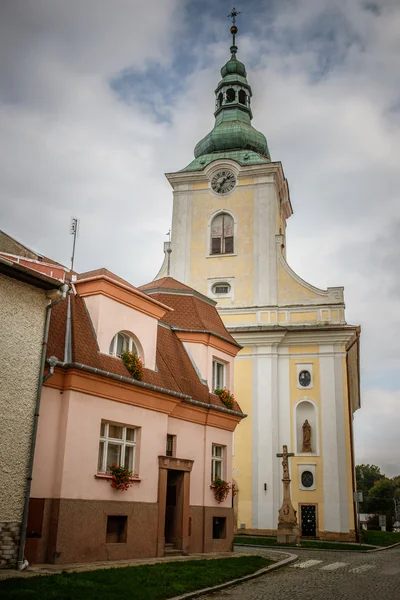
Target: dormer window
x=122 y=342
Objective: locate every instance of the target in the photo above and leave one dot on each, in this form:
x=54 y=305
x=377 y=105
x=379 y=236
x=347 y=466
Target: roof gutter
x=21 y=563
x=129 y=380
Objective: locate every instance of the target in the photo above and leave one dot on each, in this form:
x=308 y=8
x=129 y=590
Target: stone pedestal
x=288 y=534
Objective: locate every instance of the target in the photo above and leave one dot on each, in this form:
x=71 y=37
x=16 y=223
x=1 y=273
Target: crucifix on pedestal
x=288 y=530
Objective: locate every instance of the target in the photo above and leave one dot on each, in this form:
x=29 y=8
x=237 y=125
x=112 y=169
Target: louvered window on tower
x=222 y=234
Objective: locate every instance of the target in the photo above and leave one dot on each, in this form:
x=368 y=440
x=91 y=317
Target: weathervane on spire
x=232 y=15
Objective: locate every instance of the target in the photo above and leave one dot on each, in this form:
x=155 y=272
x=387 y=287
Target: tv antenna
x=73 y=231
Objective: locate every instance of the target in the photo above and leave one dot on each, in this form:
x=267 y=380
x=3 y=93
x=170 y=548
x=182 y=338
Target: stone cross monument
x=288 y=530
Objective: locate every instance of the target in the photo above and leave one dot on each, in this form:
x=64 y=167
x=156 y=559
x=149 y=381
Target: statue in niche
x=306 y=437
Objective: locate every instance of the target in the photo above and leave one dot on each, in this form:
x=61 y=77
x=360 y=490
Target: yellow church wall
x=246 y=181
x=301 y=317
x=202 y=265
x=240 y=318
x=282 y=317
x=348 y=446
x=302 y=496
x=334 y=315
x=264 y=316
x=242 y=459
x=303 y=349
x=325 y=315
x=200 y=186
x=290 y=291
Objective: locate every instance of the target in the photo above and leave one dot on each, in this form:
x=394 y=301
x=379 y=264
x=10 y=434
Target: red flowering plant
x=133 y=363
x=120 y=477
x=225 y=396
x=220 y=488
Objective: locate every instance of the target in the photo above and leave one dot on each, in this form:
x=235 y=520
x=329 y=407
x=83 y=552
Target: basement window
x=219 y=528
x=116 y=529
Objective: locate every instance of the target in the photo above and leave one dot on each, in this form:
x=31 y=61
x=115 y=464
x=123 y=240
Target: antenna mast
x=73 y=231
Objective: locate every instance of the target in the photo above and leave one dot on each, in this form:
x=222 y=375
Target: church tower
x=297 y=375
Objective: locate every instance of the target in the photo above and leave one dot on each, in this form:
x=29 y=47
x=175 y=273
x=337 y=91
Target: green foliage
x=381 y=538
x=366 y=475
x=225 y=396
x=220 y=488
x=143 y=582
x=133 y=363
x=121 y=477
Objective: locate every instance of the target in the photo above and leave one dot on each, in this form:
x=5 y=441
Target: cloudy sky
x=99 y=99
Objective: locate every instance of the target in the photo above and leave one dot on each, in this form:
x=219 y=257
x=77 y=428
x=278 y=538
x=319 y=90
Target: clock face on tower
x=223 y=182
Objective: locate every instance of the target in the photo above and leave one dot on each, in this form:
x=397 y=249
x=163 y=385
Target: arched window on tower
x=220 y=99
x=242 y=97
x=230 y=95
x=222 y=234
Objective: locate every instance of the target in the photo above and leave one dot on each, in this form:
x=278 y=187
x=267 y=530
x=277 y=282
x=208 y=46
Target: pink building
x=169 y=429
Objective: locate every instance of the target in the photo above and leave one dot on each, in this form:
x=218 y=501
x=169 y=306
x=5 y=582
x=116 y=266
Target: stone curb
x=384 y=547
x=290 y=558
x=302 y=549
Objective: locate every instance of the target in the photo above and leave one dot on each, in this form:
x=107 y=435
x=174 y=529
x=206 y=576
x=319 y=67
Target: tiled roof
x=105 y=273
x=28 y=275
x=175 y=371
x=192 y=310
x=166 y=283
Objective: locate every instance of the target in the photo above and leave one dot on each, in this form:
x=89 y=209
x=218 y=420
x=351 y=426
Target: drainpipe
x=21 y=563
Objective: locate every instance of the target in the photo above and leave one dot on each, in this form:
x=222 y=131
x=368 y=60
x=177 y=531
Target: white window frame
x=217 y=461
x=123 y=442
x=114 y=343
x=215 y=364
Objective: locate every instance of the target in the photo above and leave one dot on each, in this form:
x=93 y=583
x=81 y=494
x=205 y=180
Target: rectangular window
x=217 y=462
x=116 y=529
x=117 y=445
x=216 y=245
x=219 y=528
x=228 y=245
x=170 y=445
x=218 y=375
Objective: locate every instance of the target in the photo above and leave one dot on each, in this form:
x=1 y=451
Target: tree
x=366 y=477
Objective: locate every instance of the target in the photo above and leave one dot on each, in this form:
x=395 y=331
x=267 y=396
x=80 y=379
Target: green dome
x=232 y=132
x=233 y=66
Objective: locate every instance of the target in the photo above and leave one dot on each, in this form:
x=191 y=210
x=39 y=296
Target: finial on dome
x=232 y=15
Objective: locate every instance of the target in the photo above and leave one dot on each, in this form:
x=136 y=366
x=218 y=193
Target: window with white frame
x=217 y=461
x=218 y=374
x=117 y=445
x=122 y=342
x=222 y=227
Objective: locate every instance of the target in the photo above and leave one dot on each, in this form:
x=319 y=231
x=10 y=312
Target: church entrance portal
x=308 y=520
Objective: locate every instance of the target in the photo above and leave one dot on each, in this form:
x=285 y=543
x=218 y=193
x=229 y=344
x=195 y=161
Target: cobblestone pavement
x=324 y=576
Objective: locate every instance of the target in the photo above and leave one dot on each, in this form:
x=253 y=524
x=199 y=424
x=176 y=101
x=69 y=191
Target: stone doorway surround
x=166 y=463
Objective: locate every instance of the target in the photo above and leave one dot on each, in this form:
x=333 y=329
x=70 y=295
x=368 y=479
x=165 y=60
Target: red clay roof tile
x=175 y=371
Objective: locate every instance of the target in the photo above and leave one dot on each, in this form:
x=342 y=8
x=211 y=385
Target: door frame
x=316 y=518
x=166 y=463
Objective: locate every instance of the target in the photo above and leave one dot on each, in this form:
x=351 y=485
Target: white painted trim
x=235 y=238
x=307 y=467
x=304 y=367
x=211 y=281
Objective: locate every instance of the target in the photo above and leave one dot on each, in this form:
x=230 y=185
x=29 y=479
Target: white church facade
x=297 y=374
